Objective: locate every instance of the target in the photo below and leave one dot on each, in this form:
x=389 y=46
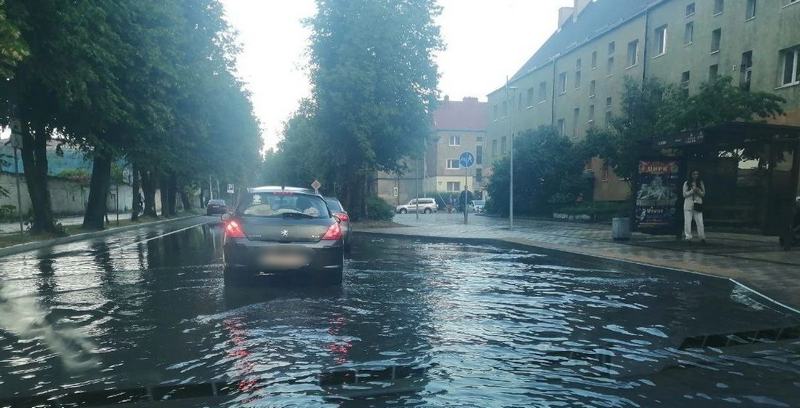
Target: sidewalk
x=12 y=227
x=753 y=260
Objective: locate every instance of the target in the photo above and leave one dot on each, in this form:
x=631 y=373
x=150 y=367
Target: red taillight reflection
x=233 y=230
x=334 y=233
x=342 y=216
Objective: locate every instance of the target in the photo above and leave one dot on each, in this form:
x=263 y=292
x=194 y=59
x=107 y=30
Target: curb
x=31 y=246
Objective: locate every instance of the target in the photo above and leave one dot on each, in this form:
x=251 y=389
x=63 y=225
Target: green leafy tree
x=374 y=87
x=12 y=48
x=546 y=167
x=654 y=109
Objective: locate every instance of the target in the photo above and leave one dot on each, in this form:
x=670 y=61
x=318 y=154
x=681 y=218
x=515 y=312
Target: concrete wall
x=67 y=197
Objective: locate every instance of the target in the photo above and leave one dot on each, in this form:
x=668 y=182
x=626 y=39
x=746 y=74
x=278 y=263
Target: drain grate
x=741 y=338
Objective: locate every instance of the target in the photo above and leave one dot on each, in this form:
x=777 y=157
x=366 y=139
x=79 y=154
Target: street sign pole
x=19 y=194
x=466 y=160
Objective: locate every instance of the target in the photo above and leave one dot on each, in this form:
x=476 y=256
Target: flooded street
x=145 y=316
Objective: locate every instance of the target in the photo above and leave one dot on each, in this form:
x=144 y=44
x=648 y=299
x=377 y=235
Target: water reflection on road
x=137 y=316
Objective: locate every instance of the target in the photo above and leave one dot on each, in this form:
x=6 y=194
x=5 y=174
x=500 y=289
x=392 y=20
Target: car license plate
x=284 y=261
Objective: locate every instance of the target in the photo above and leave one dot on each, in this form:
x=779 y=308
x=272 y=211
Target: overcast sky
x=486 y=40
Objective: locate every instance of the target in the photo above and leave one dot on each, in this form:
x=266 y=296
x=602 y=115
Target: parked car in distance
x=426 y=205
x=216 y=207
x=283 y=231
x=344 y=219
x=479 y=206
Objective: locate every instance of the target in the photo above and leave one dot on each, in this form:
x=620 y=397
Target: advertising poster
x=658 y=195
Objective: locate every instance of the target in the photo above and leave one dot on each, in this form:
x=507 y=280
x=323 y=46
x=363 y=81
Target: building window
x=719 y=6
x=519 y=102
x=478 y=154
x=716 y=39
x=604 y=172
x=751 y=9
x=530 y=96
x=592 y=88
x=686 y=76
x=578 y=64
x=608 y=103
x=561 y=127
x=612 y=47
x=505 y=108
x=577 y=79
x=494 y=148
x=453 y=186
x=608 y=111
x=594 y=59
x=661 y=40
x=608 y=118
x=478 y=175
x=576 y=115
x=747 y=70
x=689 y=9
x=542 y=91
x=591 y=113
x=479 y=139
x=562 y=83
x=633 y=53
x=688 y=33
x=790 y=66
x=452 y=164
x=610 y=66
x=713 y=72
x=495 y=111
x=455 y=140
x=503 y=145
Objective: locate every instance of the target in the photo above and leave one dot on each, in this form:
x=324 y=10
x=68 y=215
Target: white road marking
x=161 y=236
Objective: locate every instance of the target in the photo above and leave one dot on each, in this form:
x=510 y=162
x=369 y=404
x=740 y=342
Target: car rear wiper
x=299 y=214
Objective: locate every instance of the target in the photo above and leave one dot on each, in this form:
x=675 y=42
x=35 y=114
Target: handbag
x=697 y=207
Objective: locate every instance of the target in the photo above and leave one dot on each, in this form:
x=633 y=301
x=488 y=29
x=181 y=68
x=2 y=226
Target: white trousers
x=688 y=216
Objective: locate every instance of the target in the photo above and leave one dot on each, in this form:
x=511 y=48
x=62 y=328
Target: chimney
x=580 y=5
x=564 y=14
x=446 y=98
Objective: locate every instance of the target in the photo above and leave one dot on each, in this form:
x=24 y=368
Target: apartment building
x=459 y=127
x=575 y=80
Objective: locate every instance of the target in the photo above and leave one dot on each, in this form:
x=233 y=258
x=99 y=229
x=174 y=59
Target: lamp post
x=511 y=157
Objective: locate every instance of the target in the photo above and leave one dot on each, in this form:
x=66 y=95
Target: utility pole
x=511 y=161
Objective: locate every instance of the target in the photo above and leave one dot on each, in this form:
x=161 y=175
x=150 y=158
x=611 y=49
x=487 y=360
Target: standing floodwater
x=416 y=323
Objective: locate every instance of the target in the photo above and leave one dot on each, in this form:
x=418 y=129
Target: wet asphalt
x=146 y=316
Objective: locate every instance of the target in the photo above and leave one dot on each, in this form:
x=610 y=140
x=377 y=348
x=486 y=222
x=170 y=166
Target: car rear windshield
x=334 y=205
x=283 y=204
x=217 y=202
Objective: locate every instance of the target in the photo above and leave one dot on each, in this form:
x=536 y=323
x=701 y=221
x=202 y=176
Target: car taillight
x=233 y=230
x=334 y=233
x=342 y=216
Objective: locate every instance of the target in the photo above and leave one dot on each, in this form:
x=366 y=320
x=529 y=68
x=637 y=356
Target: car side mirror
x=225 y=217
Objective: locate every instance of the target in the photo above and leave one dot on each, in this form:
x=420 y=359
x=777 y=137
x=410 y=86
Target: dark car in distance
x=216 y=207
x=344 y=219
x=283 y=231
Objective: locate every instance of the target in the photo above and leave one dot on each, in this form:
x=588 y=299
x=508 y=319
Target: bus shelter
x=750 y=171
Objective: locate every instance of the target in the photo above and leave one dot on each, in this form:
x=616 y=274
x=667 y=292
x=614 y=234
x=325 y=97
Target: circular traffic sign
x=466 y=159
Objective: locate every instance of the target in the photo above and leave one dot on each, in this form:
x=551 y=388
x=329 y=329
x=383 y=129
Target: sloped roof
x=469 y=114
x=597 y=18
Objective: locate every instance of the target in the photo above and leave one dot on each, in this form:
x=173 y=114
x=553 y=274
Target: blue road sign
x=466 y=159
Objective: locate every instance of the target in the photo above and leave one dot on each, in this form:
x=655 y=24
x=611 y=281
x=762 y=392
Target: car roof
x=275 y=189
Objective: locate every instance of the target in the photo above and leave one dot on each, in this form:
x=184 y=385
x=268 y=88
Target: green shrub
x=599 y=210
x=379 y=210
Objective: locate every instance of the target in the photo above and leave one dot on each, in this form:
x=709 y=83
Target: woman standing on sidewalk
x=693 y=192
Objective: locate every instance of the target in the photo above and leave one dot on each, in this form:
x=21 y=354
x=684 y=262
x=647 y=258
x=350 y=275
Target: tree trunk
x=187 y=204
x=34 y=161
x=172 y=193
x=95 y=216
x=163 y=185
x=136 y=205
x=149 y=190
